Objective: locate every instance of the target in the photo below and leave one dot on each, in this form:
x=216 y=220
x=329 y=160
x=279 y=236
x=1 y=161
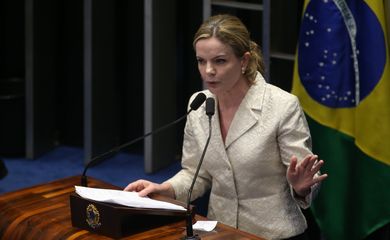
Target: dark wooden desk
x=43 y=212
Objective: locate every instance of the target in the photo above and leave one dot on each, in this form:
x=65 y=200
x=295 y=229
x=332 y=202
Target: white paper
x=130 y=199
x=207 y=226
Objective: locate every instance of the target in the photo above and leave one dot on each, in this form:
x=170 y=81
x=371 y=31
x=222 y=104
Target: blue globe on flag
x=334 y=73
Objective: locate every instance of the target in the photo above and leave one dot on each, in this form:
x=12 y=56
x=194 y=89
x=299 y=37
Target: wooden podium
x=43 y=212
x=118 y=221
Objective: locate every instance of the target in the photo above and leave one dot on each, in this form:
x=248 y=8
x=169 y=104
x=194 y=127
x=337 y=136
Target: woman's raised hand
x=303 y=175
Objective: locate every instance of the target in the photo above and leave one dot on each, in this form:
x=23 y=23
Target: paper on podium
x=130 y=199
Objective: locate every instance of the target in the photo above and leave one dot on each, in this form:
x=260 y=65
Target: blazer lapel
x=247 y=114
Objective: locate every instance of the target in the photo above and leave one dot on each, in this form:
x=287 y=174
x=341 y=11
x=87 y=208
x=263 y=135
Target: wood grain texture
x=43 y=212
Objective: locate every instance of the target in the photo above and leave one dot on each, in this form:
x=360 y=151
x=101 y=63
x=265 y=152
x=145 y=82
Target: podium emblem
x=93 y=216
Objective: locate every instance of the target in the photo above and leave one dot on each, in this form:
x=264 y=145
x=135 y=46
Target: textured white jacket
x=247 y=174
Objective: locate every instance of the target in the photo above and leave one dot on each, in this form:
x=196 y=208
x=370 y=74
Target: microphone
x=195 y=104
x=210 y=109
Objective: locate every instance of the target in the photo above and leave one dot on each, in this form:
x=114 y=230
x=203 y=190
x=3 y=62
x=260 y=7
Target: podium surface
x=43 y=212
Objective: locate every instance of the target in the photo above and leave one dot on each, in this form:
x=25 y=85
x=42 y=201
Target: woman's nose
x=210 y=69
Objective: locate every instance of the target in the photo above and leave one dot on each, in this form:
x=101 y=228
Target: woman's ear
x=245 y=60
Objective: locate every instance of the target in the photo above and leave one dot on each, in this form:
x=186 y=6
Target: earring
x=243 y=70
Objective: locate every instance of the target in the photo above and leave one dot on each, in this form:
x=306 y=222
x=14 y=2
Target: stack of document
x=130 y=199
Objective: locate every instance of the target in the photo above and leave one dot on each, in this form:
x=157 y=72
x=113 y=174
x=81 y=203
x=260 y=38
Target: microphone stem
x=95 y=160
x=190 y=233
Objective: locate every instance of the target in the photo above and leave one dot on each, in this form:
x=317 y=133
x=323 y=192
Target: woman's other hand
x=144 y=188
x=303 y=175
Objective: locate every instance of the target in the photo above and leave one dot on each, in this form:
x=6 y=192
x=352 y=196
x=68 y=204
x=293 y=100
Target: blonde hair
x=231 y=31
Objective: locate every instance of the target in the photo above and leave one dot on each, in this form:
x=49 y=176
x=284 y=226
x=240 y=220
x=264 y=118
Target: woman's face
x=219 y=68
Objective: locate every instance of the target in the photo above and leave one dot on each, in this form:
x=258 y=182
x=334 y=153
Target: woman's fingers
x=320 y=178
x=305 y=162
x=312 y=161
x=317 y=166
x=293 y=164
x=136 y=186
x=146 y=191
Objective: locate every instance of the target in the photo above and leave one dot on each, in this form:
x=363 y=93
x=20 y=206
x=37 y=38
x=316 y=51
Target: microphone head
x=210 y=106
x=199 y=99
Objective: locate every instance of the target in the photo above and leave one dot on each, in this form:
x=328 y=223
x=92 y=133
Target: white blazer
x=247 y=174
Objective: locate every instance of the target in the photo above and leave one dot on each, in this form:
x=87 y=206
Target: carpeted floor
x=68 y=161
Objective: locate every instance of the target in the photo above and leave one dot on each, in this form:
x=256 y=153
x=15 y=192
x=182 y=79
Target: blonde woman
x=259 y=165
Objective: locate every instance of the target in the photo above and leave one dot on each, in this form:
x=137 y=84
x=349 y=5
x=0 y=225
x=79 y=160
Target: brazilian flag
x=342 y=78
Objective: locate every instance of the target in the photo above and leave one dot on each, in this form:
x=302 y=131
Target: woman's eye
x=220 y=61
x=200 y=61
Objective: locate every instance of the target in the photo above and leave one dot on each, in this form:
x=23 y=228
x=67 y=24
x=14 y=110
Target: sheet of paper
x=130 y=199
x=207 y=226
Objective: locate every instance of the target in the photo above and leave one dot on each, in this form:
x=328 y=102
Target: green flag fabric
x=342 y=78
